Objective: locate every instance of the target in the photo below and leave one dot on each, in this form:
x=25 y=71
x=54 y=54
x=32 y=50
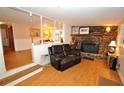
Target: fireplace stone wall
x=101 y=36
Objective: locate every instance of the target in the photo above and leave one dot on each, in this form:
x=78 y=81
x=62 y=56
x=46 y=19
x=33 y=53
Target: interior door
x=11 y=38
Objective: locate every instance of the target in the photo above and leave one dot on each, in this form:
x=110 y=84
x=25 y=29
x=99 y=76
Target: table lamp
x=112 y=46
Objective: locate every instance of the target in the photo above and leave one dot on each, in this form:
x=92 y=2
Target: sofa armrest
x=55 y=61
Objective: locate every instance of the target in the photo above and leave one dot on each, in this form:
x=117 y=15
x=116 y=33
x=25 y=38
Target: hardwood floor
x=16 y=59
x=86 y=73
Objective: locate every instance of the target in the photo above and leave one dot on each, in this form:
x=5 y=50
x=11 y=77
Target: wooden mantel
x=98 y=34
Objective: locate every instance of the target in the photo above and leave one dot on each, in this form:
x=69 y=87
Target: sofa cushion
x=59 y=56
x=69 y=59
x=66 y=49
x=57 y=50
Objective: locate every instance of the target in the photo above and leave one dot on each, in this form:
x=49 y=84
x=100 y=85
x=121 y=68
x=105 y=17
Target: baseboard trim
x=121 y=77
x=16 y=70
x=24 y=77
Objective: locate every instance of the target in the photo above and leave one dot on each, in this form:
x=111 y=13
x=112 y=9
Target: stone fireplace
x=97 y=37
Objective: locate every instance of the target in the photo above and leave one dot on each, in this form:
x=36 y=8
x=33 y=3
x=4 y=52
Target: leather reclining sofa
x=63 y=57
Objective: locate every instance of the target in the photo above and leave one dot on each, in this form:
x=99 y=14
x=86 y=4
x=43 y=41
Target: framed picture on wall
x=75 y=30
x=84 y=30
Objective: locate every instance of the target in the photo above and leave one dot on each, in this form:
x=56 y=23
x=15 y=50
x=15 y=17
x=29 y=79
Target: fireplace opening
x=90 y=46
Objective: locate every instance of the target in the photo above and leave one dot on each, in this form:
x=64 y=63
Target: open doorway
x=16 y=40
x=12 y=58
x=7 y=37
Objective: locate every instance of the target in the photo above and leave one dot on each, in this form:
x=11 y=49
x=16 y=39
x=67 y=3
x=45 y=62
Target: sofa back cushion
x=57 y=50
x=66 y=49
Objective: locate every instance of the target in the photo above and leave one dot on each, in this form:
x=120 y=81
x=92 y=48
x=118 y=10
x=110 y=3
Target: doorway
x=12 y=58
x=7 y=37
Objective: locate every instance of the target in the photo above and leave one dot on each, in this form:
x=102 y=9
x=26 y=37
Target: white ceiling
x=82 y=15
x=13 y=15
x=71 y=15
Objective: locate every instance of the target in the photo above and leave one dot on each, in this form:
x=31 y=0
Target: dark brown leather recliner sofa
x=63 y=57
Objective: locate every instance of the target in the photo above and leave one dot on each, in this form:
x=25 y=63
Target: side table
x=112 y=60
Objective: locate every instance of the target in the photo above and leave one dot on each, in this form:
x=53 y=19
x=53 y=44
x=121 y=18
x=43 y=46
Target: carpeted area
x=106 y=82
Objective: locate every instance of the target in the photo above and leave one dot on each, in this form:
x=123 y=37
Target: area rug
x=106 y=82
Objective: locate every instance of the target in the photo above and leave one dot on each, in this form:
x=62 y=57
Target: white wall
x=121 y=51
x=22 y=39
x=67 y=33
x=2 y=65
x=121 y=62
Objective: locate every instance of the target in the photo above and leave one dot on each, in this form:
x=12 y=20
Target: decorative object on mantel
x=75 y=30
x=95 y=30
x=84 y=30
x=108 y=29
x=112 y=46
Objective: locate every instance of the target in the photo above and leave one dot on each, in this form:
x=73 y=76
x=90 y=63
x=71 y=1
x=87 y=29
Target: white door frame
x=2 y=62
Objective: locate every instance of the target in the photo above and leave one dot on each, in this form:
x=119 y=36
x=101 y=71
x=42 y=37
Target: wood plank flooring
x=16 y=59
x=18 y=75
x=86 y=73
